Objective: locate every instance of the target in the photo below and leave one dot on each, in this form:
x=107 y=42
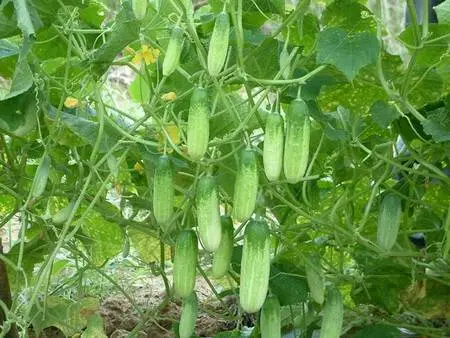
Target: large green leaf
x=443 y=12
x=350 y=15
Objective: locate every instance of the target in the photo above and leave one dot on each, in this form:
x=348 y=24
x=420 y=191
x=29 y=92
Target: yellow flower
x=147 y=54
x=139 y=168
x=70 y=102
x=173 y=132
x=170 y=96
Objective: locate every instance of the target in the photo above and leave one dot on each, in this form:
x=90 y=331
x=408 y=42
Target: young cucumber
x=296 y=149
x=185 y=261
x=270 y=319
x=315 y=281
x=208 y=214
x=222 y=256
x=285 y=65
x=41 y=177
x=273 y=146
x=246 y=186
x=389 y=221
x=333 y=315
x=173 y=52
x=255 y=266
x=139 y=8
x=188 y=317
x=198 y=124
x=163 y=191
x=218 y=46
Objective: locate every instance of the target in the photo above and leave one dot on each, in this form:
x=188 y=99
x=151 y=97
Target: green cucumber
x=63 y=214
x=285 y=65
x=314 y=278
x=389 y=221
x=173 y=52
x=218 y=45
x=208 y=213
x=270 y=320
x=296 y=149
x=222 y=256
x=139 y=8
x=255 y=266
x=41 y=177
x=273 y=146
x=163 y=191
x=185 y=261
x=189 y=310
x=198 y=124
x=246 y=186
x=333 y=315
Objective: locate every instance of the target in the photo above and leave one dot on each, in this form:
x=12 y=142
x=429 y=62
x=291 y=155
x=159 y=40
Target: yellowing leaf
x=71 y=102
x=139 y=168
x=170 y=96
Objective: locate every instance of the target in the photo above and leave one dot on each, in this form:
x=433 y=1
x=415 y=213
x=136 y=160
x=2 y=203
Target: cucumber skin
x=333 y=315
x=270 y=319
x=218 y=46
x=173 y=52
x=185 y=262
x=41 y=177
x=188 y=317
x=296 y=149
x=284 y=60
x=163 y=191
x=208 y=214
x=273 y=147
x=315 y=281
x=255 y=266
x=198 y=124
x=246 y=186
x=222 y=256
x=139 y=8
x=389 y=221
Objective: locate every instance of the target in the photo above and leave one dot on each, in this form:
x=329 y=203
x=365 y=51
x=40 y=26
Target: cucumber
x=198 y=124
x=389 y=221
x=246 y=186
x=163 y=191
x=208 y=214
x=139 y=8
x=296 y=148
x=315 y=281
x=188 y=317
x=41 y=177
x=185 y=261
x=333 y=315
x=270 y=320
x=285 y=65
x=173 y=52
x=218 y=46
x=273 y=147
x=222 y=256
x=62 y=215
x=255 y=266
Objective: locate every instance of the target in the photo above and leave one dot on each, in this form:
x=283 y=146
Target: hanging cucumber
x=296 y=148
x=198 y=124
x=222 y=256
x=218 y=45
x=163 y=191
x=185 y=261
x=255 y=266
x=285 y=65
x=188 y=317
x=208 y=214
x=62 y=215
x=333 y=315
x=315 y=280
x=173 y=52
x=273 y=147
x=270 y=319
x=389 y=221
x=246 y=186
x=139 y=8
x=41 y=177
